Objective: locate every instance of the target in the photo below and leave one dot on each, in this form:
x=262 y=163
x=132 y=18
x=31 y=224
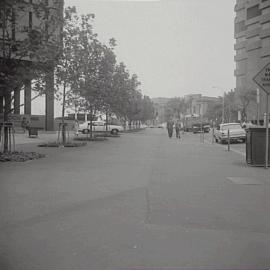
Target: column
x=49 y=106
x=27 y=96
x=17 y=100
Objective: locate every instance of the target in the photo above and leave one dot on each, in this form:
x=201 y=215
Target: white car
x=236 y=132
x=99 y=126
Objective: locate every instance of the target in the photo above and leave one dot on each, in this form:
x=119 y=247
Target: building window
x=253 y=12
x=240 y=27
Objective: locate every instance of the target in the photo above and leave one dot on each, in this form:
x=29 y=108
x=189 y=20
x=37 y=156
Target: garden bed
x=88 y=139
x=20 y=156
x=57 y=144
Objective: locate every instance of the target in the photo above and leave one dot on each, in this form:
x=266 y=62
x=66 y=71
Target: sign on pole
x=262 y=79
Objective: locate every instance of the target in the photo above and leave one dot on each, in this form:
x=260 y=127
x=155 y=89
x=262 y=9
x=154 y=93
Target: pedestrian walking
x=177 y=129
x=170 y=127
x=76 y=127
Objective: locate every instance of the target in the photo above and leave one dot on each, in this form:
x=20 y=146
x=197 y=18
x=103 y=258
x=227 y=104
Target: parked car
x=237 y=133
x=99 y=126
x=198 y=128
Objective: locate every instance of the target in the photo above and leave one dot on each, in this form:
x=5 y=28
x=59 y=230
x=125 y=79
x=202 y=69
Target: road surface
x=141 y=201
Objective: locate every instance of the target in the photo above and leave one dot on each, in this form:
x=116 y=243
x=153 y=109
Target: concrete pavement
x=141 y=201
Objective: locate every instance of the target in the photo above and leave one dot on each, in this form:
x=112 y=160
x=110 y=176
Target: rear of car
x=236 y=133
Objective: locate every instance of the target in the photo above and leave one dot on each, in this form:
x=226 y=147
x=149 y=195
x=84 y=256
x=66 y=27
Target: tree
x=244 y=98
x=214 y=111
x=148 y=110
x=175 y=107
x=230 y=106
x=68 y=67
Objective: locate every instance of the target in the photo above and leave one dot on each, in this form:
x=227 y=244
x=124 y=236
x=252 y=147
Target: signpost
x=262 y=79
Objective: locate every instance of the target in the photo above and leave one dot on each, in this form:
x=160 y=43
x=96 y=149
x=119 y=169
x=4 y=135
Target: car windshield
x=231 y=126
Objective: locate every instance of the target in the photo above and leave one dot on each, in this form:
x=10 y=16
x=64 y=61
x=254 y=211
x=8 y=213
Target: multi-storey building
x=252 y=47
x=29 y=27
x=197 y=104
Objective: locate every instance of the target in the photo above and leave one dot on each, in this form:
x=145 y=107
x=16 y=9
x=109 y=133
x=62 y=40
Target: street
x=141 y=201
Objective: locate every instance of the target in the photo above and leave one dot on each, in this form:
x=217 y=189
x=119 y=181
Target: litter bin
x=33 y=132
x=255 y=146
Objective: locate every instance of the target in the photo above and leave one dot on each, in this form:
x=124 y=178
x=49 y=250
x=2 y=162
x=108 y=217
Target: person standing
x=177 y=129
x=170 y=128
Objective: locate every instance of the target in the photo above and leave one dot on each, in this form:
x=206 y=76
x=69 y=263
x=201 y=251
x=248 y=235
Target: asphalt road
x=141 y=201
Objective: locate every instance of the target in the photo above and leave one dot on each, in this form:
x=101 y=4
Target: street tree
x=175 y=107
x=244 y=98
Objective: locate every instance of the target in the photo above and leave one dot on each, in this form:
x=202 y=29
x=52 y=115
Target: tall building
x=252 y=48
x=31 y=32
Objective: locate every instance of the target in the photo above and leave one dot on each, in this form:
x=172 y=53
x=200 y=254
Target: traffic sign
x=262 y=78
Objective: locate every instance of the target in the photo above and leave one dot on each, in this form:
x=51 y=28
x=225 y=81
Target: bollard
x=229 y=140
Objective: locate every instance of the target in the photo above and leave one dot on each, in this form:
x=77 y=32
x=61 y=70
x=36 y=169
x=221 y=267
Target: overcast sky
x=176 y=47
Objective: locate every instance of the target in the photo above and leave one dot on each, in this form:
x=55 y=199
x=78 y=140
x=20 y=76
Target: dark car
x=198 y=128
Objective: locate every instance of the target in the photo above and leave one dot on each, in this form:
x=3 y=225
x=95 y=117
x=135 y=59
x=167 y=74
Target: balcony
x=265 y=4
x=254 y=45
x=265 y=33
x=240 y=45
x=265 y=52
x=240 y=57
x=253 y=20
x=253 y=32
x=239 y=6
x=265 y=18
x=238 y=72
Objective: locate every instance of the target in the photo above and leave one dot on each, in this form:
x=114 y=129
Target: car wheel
x=114 y=132
x=85 y=131
x=243 y=140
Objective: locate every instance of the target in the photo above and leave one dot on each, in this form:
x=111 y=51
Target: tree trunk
x=63 y=129
x=7 y=108
x=91 y=122
x=106 y=121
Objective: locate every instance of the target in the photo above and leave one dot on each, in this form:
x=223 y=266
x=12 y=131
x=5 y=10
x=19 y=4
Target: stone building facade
x=252 y=48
